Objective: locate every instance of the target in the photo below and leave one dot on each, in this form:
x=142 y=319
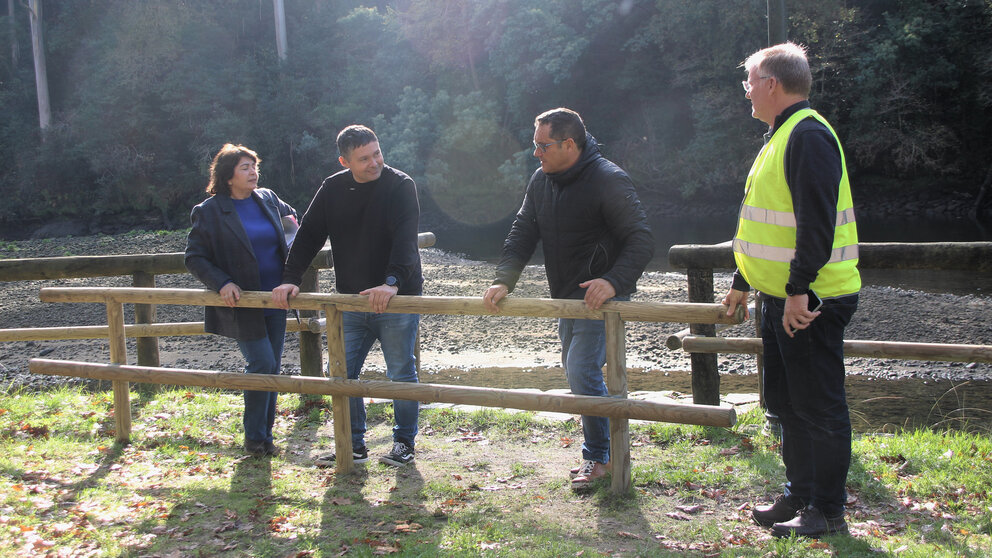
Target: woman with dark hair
x=238 y=241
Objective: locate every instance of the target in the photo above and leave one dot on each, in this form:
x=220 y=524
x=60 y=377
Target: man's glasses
x=542 y=147
x=747 y=84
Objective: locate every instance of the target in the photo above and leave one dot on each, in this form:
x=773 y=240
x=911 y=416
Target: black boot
x=810 y=522
x=783 y=509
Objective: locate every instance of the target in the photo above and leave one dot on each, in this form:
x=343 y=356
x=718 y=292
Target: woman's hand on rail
x=733 y=298
x=231 y=294
x=282 y=294
x=493 y=295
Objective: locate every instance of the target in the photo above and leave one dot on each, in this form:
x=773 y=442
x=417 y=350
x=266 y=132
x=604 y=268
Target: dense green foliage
x=143 y=94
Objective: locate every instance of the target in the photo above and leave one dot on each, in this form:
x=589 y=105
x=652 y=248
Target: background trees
x=143 y=93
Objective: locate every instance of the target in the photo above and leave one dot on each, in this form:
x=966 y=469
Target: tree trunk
x=280 y=11
x=40 y=72
x=14 y=52
x=983 y=196
x=777 y=31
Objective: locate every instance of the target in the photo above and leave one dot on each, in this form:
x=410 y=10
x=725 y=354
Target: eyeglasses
x=542 y=147
x=747 y=84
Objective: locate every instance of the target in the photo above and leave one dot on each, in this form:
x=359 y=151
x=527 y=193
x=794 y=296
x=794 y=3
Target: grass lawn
x=488 y=483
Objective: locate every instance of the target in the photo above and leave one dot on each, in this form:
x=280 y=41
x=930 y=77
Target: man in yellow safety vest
x=797 y=243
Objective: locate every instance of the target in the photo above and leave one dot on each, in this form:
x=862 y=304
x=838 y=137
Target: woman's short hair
x=565 y=123
x=787 y=63
x=223 y=165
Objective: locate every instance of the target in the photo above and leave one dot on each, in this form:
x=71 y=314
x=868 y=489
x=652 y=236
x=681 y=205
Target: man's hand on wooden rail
x=735 y=298
x=493 y=295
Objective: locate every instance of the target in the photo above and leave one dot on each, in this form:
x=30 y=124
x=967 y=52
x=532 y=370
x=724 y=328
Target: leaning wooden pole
x=465 y=395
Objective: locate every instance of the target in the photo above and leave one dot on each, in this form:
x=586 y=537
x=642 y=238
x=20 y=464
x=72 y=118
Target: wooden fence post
x=616 y=384
x=311 y=358
x=705 y=377
x=341 y=410
x=118 y=355
x=145 y=314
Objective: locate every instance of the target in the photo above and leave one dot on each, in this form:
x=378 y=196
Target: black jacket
x=218 y=252
x=590 y=223
x=372 y=227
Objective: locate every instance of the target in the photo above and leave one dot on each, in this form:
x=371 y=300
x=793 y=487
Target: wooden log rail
x=853 y=348
x=333 y=305
x=143 y=268
x=169 y=329
x=699 y=261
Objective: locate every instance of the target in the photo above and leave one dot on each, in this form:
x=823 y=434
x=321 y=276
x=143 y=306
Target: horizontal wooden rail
x=30 y=269
x=674 y=341
x=974 y=256
x=853 y=348
x=683 y=312
x=465 y=395
x=312 y=325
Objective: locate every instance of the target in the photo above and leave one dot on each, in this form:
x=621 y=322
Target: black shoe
x=810 y=522
x=271 y=449
x=783 y=509
x=254 y=449
x=358 y=455
x=401 y=455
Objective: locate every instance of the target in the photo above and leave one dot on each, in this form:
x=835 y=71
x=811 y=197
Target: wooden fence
x=614 y=313
x=700 y=260
x=143 y=268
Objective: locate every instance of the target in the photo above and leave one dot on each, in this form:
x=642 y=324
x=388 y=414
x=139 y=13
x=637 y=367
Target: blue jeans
x=583 y=354
x=397 y=335
x=804 y=386
x=263 y=356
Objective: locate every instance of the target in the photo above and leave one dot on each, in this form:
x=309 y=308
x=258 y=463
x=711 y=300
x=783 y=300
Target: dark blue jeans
x=397 y=335
x=804 y=386
x=263 y=356
x=583 y=354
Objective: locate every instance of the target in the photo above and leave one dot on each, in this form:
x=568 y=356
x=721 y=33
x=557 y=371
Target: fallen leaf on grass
x=340 y=501
x=679 y=516
x=405 y=527
x=628 y=535
x=696 y=508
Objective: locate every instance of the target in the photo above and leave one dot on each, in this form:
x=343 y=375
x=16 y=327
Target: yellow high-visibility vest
x=765 y=242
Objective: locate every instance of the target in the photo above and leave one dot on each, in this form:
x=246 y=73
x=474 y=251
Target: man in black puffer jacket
x=596 y=243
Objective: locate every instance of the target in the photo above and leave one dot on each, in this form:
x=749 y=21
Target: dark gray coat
x=218 y=252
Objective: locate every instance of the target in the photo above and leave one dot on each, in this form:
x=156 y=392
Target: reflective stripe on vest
x=766 y=232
